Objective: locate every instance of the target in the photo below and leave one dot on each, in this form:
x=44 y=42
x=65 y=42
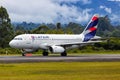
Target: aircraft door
x=29 y=42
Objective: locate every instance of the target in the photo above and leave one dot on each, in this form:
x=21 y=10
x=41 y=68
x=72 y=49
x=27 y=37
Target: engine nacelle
x=56 y=49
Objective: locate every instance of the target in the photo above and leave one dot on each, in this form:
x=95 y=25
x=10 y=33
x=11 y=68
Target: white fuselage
x=36 y=41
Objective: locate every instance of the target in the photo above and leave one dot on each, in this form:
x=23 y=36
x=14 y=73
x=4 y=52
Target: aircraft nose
x=12 y=44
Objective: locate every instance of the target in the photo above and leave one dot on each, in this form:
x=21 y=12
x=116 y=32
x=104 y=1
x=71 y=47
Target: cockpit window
x=17 y=38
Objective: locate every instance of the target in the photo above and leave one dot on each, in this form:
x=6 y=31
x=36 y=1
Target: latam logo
x=39 y=37
x=91 y=29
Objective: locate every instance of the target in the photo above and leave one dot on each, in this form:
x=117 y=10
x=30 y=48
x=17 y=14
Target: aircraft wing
x=92 y=41
x=77 y=43
x=96 y=39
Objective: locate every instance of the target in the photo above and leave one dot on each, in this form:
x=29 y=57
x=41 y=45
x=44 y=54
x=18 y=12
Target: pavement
x=69 y=58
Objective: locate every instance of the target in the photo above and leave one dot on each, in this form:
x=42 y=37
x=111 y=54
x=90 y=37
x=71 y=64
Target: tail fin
x=90 y=31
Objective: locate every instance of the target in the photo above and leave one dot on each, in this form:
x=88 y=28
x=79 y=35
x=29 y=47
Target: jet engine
x=56 y=49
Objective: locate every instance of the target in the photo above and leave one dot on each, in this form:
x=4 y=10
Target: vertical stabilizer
x=90 y=30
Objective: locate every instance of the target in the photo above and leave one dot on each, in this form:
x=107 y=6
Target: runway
x=77 y=58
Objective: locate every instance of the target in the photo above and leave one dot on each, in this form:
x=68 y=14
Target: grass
x=61 y=71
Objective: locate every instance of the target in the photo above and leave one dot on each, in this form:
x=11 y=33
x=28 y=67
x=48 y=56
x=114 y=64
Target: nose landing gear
x=45 y=53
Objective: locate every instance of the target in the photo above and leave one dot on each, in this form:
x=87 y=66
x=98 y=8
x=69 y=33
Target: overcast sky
x=64 y=11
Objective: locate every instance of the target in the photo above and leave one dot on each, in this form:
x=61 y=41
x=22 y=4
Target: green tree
x=104 y=27
x=40 y=30
x=74 y=27
x=6 y=30
x=58 y=25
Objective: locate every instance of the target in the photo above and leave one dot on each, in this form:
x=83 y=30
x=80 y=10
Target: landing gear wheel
x=64 y=54
x=23 y=54
x=45 y=53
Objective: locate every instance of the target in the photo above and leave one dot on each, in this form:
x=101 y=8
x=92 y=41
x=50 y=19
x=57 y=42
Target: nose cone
x=12 y=44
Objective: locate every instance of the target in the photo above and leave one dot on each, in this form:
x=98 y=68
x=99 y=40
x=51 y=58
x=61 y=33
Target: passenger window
x=17 y=38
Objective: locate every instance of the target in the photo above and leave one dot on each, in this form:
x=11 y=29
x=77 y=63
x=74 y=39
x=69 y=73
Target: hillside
x=105 y=28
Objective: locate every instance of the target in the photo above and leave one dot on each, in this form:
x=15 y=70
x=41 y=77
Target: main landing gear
x=45 y=53
x=23 y=54
x=64 y=53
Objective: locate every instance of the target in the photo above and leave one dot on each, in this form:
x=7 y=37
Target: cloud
x=45 y=11
x=74 y=1
x=115 y=18
x=114 y=0
x=84 y=16
x=108 y=10
x=86 y=1
x=70 y=1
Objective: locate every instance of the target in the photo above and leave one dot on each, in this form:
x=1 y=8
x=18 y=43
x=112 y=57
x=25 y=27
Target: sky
x=64 y=11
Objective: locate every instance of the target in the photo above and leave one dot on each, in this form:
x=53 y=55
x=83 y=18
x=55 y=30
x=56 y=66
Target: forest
x=106 y=30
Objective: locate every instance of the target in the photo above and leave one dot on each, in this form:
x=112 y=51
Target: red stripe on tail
x=94 y=18
x=92 y=29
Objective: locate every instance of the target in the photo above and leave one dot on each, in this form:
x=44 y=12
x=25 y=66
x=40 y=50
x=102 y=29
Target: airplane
x=57 y=43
